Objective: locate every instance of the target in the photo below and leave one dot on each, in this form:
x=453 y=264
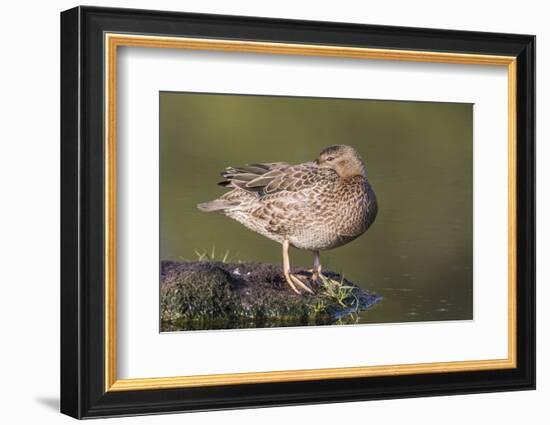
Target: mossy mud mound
x=216 y=295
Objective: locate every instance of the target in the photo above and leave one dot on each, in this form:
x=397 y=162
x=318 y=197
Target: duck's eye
x=329 y=158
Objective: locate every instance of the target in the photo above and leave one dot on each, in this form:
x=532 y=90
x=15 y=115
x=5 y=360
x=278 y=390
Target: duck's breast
x=337 y=216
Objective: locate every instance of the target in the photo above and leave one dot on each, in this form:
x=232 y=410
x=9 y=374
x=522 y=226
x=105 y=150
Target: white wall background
x=29 y=224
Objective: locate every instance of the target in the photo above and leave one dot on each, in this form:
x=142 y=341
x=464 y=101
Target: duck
x=315 y=206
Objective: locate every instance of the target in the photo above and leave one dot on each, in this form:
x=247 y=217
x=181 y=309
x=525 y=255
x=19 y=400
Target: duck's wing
x=239 y=177
x=269 y=178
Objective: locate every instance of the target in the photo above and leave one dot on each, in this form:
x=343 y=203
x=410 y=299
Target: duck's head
x=343 y=159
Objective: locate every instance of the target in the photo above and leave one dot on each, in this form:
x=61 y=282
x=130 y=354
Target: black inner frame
x=82 y=212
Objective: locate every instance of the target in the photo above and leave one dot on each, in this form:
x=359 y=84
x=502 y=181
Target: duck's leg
x=292 y=280
x=316 y=266
x=286 y=268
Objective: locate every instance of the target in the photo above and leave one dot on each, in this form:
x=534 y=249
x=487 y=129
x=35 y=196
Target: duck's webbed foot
x=297 y=281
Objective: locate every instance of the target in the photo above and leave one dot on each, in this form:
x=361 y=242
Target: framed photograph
x=261 y=212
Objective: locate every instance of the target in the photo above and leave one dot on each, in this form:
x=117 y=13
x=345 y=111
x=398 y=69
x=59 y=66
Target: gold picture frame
x=114 y=41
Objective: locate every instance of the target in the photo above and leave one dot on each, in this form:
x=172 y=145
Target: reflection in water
x=418 y=253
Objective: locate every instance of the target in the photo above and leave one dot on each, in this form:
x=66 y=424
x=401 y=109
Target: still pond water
x=418 y=253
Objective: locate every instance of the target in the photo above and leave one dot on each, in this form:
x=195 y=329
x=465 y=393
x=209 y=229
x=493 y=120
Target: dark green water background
x=417 y=254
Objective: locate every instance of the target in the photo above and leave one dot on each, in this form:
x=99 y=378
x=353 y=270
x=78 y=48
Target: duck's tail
x=215 y=205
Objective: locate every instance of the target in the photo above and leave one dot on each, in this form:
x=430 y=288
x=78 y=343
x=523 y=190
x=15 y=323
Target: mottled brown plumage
x=315 y=206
